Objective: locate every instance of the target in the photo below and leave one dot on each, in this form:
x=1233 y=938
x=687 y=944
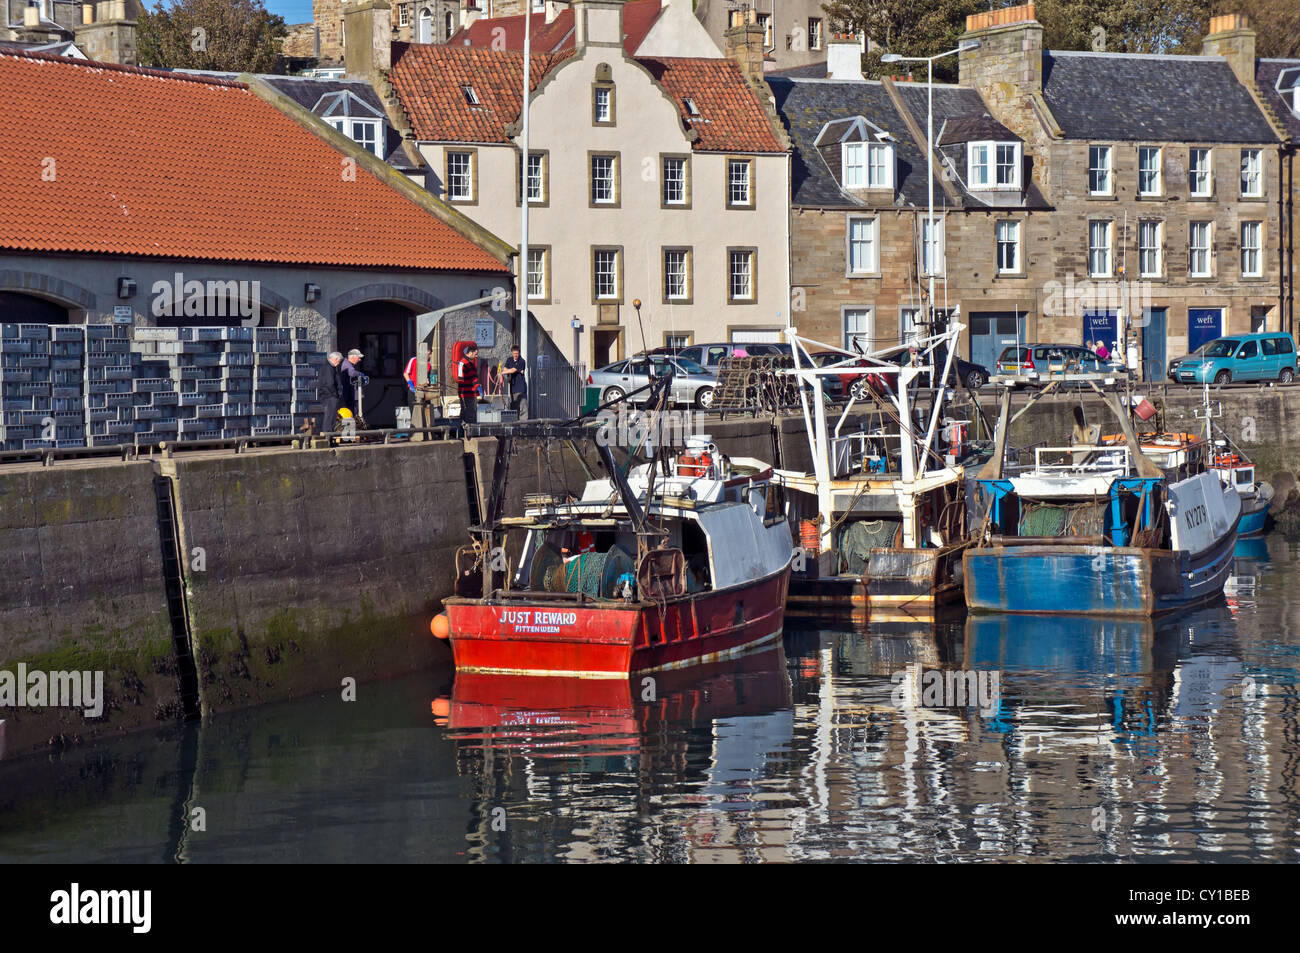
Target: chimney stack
x=1232 y=38
x=107 y=31
x=843 y=57
x=367 y=39
x=1007 y=66
x=597 y=23
x=744 y=44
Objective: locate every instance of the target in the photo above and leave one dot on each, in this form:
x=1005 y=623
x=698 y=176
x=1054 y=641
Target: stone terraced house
x=1161 y=172
x=861 y=250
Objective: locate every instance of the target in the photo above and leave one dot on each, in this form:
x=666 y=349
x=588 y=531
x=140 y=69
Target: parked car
x=973 y=376
x=692 y=384
x=851 y=382
x=1172 y=371
x=1032 y=362
x=709 y=355
x=1242 y=357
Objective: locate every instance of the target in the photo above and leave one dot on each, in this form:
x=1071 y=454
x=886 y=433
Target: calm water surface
x=1105 y=741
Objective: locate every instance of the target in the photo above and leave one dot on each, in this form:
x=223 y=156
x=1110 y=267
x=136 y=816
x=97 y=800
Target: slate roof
x=306 y=91
x=160 y=164
x=554 y=37
x=1126 y=97
x=1266 y=77
x=428 y=80
x=805 y=106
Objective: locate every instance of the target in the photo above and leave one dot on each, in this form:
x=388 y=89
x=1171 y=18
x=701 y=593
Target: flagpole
x=523 y=215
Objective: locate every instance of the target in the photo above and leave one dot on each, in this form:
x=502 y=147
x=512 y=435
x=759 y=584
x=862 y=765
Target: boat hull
x=613 y=639
x=1254 y=516
x=899 y=585
x=1093 y=580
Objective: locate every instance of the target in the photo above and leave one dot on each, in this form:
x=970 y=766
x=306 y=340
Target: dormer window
x=355 y=118
x=993 y=165
x=867 y=165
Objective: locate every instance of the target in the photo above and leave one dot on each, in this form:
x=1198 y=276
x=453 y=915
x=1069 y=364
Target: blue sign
x=1101 y=326
x=1203 y=324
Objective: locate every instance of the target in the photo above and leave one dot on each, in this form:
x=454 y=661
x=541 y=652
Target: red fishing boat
x=679 y=561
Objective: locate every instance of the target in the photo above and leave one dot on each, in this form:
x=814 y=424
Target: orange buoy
x=441 y=706
x=440 y=626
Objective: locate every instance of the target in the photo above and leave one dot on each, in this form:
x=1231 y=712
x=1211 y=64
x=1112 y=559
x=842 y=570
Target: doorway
x=606 y=346
x=993 y=331
x=1155 y=334
x=384 y=332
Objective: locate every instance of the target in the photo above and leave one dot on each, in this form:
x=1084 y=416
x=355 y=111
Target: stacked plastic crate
x=109 y=420
x=307 y=361
x=41 y=398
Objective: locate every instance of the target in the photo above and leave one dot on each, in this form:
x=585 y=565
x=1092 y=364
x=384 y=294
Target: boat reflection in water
x=599 y=718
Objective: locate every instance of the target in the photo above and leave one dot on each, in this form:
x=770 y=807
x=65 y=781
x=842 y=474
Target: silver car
x=692 y=384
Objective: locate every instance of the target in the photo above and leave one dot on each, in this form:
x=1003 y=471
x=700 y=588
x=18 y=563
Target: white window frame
x=748 y=256
x=984 y=168
x=685 y=274
x=1254 y=250
x=682 y=181
x=452 y=177
x=1007 y=234
x=609 y=196
x=869 y=242
x=537 y=269
x=880 y=165
x=866 y=334
x=746 y=180
x=853 y=164
x=612 y=273
x=1252 y=166
x=1101 y=162
x=1156 y=172
x=1107 y=229
x=765 y=21
x=1207 y=249
x=815 y=33
x=1154 y=248
x=1193 y=173
x=403 y=14
x=540 y=196
x=932 y=247
x=602 y=109
x=908 y=330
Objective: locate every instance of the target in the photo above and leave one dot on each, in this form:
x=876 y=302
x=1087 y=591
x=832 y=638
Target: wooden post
x=1000 y=435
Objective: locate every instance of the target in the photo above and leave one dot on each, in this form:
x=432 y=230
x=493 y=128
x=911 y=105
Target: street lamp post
x=929 y=146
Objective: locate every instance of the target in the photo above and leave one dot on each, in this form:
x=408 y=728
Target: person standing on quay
x=330 y=391
x=515 y=368
x=467 y=385
x=350 y=374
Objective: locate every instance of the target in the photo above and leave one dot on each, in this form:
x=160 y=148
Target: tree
x=1276 y=24
x=229 y=35
x=909 y=28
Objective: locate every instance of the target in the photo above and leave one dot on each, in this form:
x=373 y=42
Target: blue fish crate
x=119 y=400
x=120 y=426
x=66 y=404
x=211 y=334
x=195 y=426
x=234 y=359
x=144 y=384
x=98 y=332
x=15 y=346
x=14 y=375
x=16 y=403
x=38 y=444
x=107 y=440
x=147 y=413
x=166 y=398
x=99 y=414
x=239 y=334
x=34 y=360
x=212 y=410
x=67 y=349
x=34 y=332
x=209 y=386
x=167 y=425
x=118 y=374
x=66 y=393
x=69 y=332
x=65 y=363
x=192 y=399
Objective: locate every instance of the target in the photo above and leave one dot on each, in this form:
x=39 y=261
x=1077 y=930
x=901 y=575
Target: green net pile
x=858 y=539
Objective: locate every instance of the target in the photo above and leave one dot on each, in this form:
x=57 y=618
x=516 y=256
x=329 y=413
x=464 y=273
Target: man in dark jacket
x=330 y=391
x=351 y=376
x=467 y=385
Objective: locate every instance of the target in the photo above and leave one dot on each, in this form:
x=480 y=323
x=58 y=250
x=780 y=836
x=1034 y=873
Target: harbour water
x=1087 y=740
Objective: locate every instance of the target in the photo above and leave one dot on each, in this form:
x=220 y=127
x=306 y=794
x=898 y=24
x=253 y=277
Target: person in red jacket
x=467 y=385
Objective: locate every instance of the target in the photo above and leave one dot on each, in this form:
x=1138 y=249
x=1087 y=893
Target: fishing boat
x=1235 y=469
x=679 y=561
x=1118 y=525
x=881 y=514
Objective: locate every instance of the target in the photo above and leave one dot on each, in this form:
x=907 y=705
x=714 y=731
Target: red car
x=851 y=383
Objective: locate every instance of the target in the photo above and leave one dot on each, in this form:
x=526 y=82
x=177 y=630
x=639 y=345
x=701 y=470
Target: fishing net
x=1075 y=519
x=598 y=574
x=859 y=538
x=544 y=565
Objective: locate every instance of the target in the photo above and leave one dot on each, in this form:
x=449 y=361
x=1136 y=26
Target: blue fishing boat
x=1111 y=527
x=1233 y=468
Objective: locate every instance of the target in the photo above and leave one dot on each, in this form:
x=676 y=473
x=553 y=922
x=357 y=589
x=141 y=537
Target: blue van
x=1241 y=357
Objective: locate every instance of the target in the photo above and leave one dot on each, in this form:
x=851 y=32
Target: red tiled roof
x=149 y=163
x=554 y=37
x=731 y=118
x=428 y=80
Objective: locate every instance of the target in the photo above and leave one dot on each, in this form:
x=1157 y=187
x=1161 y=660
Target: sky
x=293 y=11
